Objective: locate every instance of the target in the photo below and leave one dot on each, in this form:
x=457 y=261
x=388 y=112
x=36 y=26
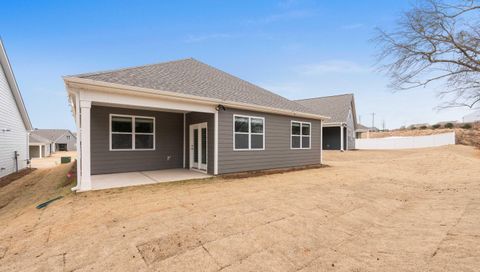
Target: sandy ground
x=411 y=210
x=53 y=160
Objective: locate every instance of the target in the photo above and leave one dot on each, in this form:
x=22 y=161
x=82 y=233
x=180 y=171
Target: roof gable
x=51 y=134
x=336 y=106
x=192 y=77
x=7 y=68
x=37 y=139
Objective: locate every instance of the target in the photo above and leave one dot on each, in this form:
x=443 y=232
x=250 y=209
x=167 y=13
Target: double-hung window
x=300 y=135
x=132 y=132
x=249 y=133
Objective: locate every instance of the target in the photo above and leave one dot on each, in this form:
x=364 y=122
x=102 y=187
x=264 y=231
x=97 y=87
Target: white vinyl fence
x=406 y=142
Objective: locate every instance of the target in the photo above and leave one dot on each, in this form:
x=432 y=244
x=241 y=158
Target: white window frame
x=249 y=133
x=301 y=135
x=133 y=133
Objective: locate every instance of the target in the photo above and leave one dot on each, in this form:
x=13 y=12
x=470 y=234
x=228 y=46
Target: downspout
x=76 y=105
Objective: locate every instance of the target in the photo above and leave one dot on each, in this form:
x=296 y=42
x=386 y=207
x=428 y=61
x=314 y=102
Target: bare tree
x=435 y=41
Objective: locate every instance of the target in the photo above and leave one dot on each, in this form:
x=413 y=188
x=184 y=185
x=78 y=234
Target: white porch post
x=321 y=141
x=346 y=138
x=215 y=150
x=341 y=138
x=85 y=182
x=40 y=151
x=184 y=144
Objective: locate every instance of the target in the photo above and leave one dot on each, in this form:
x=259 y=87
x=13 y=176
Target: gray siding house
x=14 y=121
x=61 y=139
x=339 y=131
x=186 y=115
x=39 y=147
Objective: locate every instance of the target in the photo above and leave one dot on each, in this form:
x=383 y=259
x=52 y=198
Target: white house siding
x=13 y=134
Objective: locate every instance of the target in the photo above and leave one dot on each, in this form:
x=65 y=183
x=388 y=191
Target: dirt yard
x=414 y=210
x=53 y=160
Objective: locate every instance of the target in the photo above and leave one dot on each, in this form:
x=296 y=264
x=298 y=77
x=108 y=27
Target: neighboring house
x=186 y=114
x=360 y=130
x=62 y=139
x=39 y=147
x=339 y=131
x=472 y=117
x=14 y=121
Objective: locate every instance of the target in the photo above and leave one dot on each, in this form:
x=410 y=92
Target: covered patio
x=117 y=180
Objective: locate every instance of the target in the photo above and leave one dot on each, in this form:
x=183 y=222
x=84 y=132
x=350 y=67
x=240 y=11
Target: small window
x=132 y=133
x=300 y=135
x=249 y=133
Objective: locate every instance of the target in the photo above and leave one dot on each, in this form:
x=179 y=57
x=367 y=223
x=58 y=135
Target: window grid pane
x=121 y=124
x=305 y=129
x=144 y=125
x=241 y=124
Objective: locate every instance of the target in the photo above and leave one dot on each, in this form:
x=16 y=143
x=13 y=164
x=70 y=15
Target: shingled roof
x=37 y=139
x=335 y=106
x=192 y=77
x=50 y=134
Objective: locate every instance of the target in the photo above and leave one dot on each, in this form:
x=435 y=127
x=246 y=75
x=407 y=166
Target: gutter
x=191 y=98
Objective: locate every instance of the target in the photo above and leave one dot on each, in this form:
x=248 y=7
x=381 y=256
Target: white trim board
x=98 y=86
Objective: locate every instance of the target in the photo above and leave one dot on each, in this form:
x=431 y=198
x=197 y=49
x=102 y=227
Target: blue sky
x=298 y=49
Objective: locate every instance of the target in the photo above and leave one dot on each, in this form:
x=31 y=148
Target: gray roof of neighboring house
x=362 y=127
x=37 y=139
x=51 y=134
x=7 y=69
x=335 y=106
x=192 y=77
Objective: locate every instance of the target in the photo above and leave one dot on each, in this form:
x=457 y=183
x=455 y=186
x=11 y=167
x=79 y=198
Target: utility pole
x=383 y=124
x=373 y=120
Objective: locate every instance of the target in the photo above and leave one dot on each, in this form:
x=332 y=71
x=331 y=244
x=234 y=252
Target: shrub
x=412 y=128
x=436 y=126
x=448 y=125
x=467 y=126
x=423 y=127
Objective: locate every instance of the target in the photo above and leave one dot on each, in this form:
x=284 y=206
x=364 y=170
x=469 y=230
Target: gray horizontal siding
x=70 y=141
x=168 y=143
x=277 y=153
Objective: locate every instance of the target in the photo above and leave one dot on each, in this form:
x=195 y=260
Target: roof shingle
x=193 y=77
x=335 y=106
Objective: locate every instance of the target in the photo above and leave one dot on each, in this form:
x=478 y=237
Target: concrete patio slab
x=117 y=180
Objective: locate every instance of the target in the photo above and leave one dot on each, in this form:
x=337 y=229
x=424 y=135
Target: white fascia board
x=83 y=83
x=335 y=124
x=7 y=68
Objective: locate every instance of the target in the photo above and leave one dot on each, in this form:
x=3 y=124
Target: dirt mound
x=464 y=136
